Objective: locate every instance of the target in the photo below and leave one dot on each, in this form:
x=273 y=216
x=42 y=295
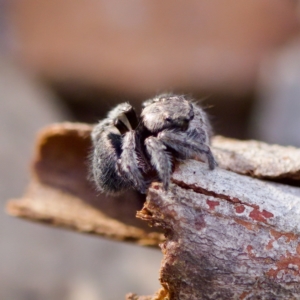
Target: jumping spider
x=131 y=152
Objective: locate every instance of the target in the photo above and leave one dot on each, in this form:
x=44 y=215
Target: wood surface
x=229 y=233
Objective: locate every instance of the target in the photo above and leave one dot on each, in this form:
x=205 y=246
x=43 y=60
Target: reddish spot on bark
x=283 y=265
x=249 y=250
x=246 y=224
x=239 y=209
x=235 y=200
x=244 y=295
x=212 y=204
x=255 y=214
x=289 y=235
x=272 y=273
x=270 y=245
x=298 y=249
x=276 y=234
x=260 y=216
x=267 y=214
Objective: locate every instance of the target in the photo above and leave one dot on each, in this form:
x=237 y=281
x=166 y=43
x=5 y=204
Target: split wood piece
x=60 y=194
x=228 y=236
x=258 y=159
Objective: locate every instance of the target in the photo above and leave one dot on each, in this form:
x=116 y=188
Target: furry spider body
x=128 y=150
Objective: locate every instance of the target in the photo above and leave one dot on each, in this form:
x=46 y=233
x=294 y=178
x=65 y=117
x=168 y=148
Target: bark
x=227 y=235
x=60 y=193
x=258 y=159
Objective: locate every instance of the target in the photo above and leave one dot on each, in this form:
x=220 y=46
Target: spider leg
x=187 y=146
x=128 y=164
x=160 y=159
x=106 y=149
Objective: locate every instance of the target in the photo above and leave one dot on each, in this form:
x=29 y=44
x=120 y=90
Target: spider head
x=167 y=112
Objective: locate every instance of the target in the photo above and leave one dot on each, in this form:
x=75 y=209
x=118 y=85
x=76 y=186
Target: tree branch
x=226 y=235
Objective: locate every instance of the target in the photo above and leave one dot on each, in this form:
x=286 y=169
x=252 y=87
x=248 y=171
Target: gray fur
x=129 y=163
x=170 y=125
x=160 y=159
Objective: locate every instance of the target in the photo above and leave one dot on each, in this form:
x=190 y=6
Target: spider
x=131 y=152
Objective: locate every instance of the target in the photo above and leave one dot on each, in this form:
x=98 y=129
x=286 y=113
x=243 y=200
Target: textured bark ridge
x=228 y=236
x=258 y=159
x=225 y=235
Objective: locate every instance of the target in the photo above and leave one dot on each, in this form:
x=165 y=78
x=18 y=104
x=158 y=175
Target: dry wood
x=60 y=194
x=258 y=159
x=228 y=236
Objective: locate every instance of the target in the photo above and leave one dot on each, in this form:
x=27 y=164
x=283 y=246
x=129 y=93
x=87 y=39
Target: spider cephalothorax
x=131 y=152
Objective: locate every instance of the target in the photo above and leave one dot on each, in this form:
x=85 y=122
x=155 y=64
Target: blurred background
x=74 y=60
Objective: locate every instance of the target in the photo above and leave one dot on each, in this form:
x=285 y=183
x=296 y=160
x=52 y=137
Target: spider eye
x=168 y=119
